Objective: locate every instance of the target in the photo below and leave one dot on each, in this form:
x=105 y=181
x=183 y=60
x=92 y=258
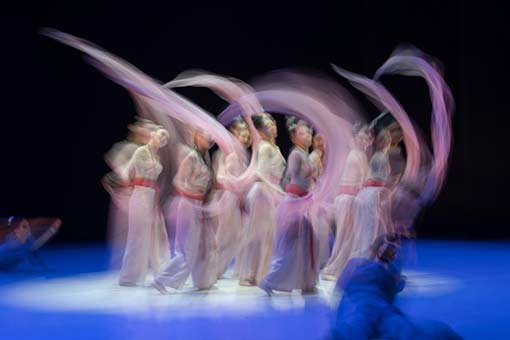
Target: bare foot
x=160 y=287
x=246 y=283
x=266 y=289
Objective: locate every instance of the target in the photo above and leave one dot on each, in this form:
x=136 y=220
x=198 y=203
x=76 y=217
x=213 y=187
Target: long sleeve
x=193 y=174
x=264 y=156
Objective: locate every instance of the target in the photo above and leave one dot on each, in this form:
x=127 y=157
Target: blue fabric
x=13 y=252
x=366 y=310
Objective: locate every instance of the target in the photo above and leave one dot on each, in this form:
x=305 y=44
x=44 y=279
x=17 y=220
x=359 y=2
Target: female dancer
x=346 y=205
x=195 y=248
x=261 y=204
x=231 y=220
x=147 y=240
x=120 y=192
x=321 y=219
x=373 y=214
x=294 y=263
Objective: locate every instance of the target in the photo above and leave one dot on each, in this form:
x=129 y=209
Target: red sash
x=296 y=190
x=373 y=183
x=144 y=182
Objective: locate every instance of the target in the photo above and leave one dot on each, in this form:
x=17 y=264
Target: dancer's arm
x=294 y=169
x=186 y=173
x=52 y=230
x=265 y=152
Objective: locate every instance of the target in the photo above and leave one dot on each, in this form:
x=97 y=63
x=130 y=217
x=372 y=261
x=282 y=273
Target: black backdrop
x=60 y=115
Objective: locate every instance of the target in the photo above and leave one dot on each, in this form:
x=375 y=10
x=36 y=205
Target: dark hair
x=374 y=248
x=10 y=224
x=291 y=122
x=258 y=121
x=15 y=221
x=237 y=124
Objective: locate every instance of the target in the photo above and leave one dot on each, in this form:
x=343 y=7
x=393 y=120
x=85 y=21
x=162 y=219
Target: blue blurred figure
x=367 y=309
x=20 y=238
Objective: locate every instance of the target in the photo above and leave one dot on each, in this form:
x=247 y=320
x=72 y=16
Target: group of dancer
x=280 y=224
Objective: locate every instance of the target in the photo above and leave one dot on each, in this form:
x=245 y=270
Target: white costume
x=195 y=245
x=294 y=262
x=261 y=202
x=147 y=240
x=232 y=218
x=345 y=206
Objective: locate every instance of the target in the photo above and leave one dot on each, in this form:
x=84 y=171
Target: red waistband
x=296 y=190
x=348 y=190
x=220 y=186
x=373 y=183
x=144 y=182
x=189 y=194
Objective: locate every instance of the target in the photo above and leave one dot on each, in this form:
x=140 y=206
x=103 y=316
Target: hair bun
x=291 y=121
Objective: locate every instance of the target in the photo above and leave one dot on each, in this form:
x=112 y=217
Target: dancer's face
x=243 y=136
x=160 y=138
x=318 y=143
x=270 y=128
x=303 y=136
x=203 y=140
x=364 y=140
x=22 y=232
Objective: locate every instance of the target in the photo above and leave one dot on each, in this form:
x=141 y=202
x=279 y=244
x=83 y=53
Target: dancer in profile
x=395 y=155
x=346 y=204
x=261 y=203
x=320 y=217
x=20 y=238
x=373 y=214
x=120 y=191
x=147 y=241
x=294 y=263
x=232 y=218
x=195 y=244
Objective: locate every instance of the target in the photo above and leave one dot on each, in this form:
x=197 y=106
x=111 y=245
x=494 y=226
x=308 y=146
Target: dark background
x=60 y=115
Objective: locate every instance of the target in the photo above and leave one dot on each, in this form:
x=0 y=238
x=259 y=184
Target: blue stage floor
x=465 y=284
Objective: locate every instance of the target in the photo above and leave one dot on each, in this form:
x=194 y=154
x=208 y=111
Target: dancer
x=320 y=216
x=294 y=263
x=346 y=204
x=195 y=248
x=395 y=156
x=147 y=240
x=21 y=237
x=261 y=202
x=120 y=192
x=367 y=309
x=317 y=156
x=373 y=215
x=232 y=218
